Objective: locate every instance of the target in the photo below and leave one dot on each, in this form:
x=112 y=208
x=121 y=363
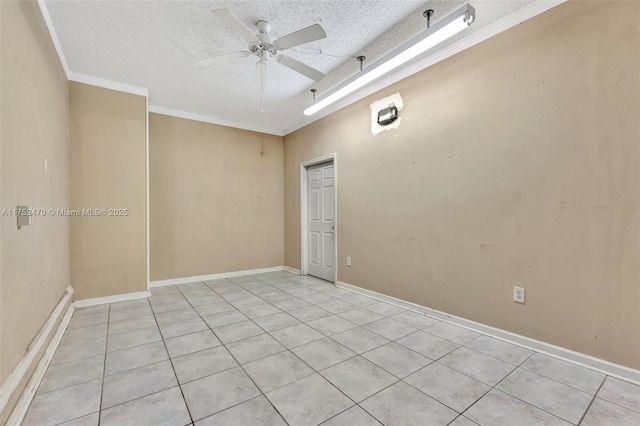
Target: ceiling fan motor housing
x=263 y=27
x=264 y=45
x=266 y=42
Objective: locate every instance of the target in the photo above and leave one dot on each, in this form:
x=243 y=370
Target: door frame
x=304 y=214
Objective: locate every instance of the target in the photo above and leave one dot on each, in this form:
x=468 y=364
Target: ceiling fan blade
x=220 y=58
x=235 y=24
x=305 y=35
x=298 y=66
x=260 y=76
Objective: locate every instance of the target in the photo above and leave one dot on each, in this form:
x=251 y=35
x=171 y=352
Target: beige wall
x=34 y=126
x=107 y=137
x=516 y=163
x=202 y=220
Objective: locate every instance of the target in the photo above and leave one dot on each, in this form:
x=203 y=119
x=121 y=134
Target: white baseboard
x=584 y=360
x=111 y=299
x=219 y=276
x=18 y=374
x=292 y=270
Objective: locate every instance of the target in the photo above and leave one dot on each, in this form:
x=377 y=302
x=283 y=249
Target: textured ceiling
x=153 y=44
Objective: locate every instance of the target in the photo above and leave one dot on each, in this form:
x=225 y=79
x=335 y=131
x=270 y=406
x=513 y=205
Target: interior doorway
x=318 y=218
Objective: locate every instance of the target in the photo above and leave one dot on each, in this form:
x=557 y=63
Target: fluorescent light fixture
x=437 y=33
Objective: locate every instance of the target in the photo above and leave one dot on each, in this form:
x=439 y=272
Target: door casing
x=304 y=214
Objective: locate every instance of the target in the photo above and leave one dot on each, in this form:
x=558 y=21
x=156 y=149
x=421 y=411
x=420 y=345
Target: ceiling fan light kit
x=432 y=36
x=265 y=46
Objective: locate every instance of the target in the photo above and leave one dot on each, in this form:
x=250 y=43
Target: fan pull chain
x=263 y=71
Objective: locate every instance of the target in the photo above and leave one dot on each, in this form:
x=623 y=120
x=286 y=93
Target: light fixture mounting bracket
x=428 y=14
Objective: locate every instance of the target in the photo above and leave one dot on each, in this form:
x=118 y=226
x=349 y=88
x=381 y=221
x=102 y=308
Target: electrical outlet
x=348 y=261
x=518 y=294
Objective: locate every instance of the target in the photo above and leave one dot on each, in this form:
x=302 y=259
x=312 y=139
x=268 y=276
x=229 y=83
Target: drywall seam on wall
x=574 y=357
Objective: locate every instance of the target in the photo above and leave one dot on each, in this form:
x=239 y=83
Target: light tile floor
x=278 y=349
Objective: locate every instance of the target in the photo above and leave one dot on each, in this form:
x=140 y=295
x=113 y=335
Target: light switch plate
x=23 y=214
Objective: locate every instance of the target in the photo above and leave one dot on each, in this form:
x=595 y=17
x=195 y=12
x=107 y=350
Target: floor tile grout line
x=489 y=336
x=239 y=365
x=460 y=415
x=330 y=314
x=287 y=349
x=138 y=398
x=360 y=355
x=433 y=362
x=77 y=342
x=558 y=381
x=459 y=372
x=347 y=409
x=136 y=345
x=516 y=367
x=243 y=369
x=73 y=360
x=141 y=366
x=355 y=356
x=446 y=405
x=595 y=395
x=613 y=402
x=498 y=383
x=184 y=400
x=69 y=386
x=104 y=367
x=495 y=387
x=76 y=418
x=88 y=325
x=240 y=403
x=525 y=402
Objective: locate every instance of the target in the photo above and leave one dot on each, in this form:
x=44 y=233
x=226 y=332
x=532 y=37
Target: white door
x=320 y=221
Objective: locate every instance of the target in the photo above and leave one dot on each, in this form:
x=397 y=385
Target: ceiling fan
x=265 y=46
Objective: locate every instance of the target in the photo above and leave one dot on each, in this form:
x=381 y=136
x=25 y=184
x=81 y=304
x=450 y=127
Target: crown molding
x=108 y=84
x=54 y=36
x=400 y=73
x=212 y=120
x=83 y=78
x=504 y=24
